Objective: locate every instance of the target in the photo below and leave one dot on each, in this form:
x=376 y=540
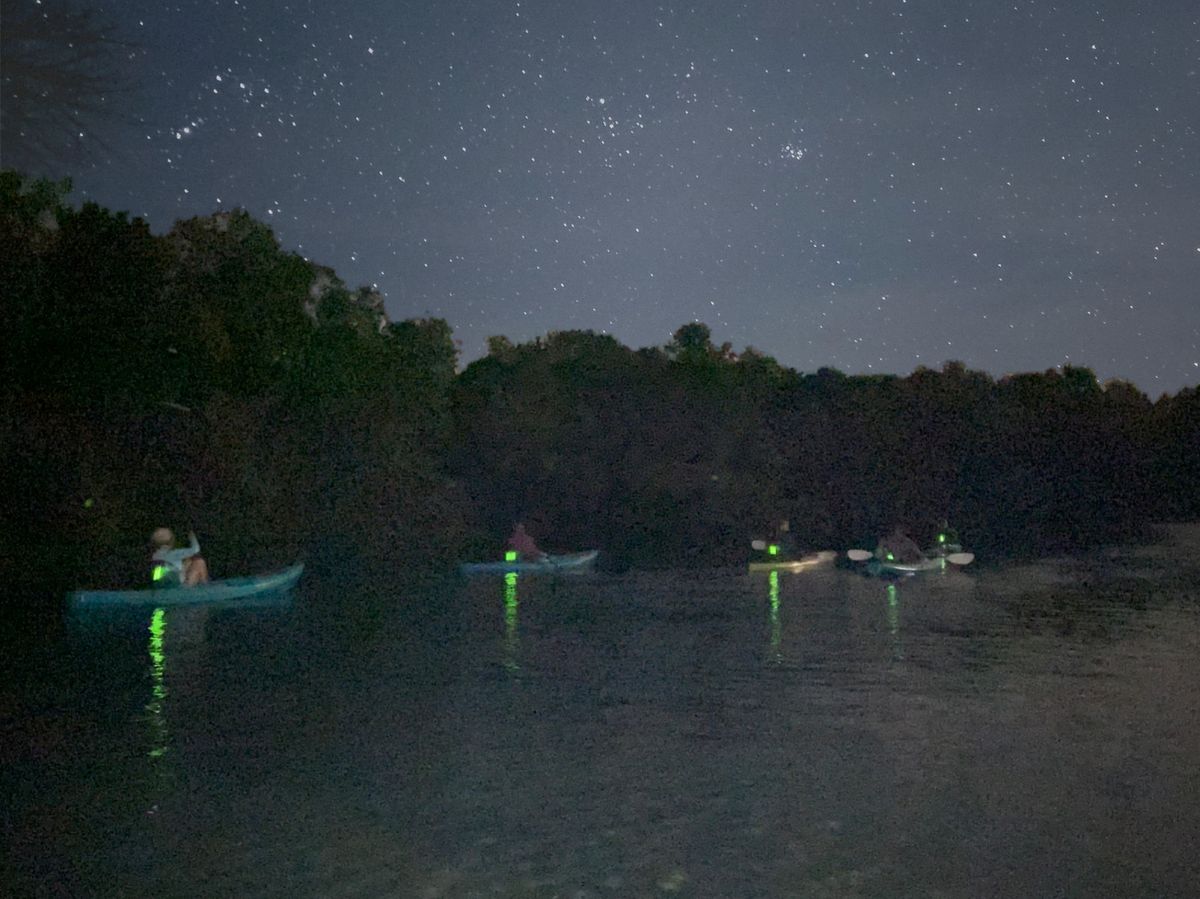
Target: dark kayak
x=551 y=564
x=884 y=568
x=231 y=591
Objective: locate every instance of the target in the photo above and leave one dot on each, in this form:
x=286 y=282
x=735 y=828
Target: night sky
x=865 y=185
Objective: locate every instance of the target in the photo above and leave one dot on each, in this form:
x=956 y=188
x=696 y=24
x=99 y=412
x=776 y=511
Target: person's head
x=519 y=527
x=162 y=537
x=784 y=526
x=899 y=530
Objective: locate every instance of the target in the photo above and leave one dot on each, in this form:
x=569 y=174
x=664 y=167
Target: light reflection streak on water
x=893 y=620
x=512 y=639
x=773 y=594
x=156 y=707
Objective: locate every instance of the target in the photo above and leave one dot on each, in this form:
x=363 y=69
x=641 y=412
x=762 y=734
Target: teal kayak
x=552 y=564
x=234 y=591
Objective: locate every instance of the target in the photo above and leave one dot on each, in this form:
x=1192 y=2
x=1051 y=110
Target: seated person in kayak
x=782 y=541
x=172 y=567
x=524 y=546
x=947 y=538
x=898 y=547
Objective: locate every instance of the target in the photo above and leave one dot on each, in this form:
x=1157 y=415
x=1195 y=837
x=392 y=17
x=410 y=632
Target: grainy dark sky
x=865 y=184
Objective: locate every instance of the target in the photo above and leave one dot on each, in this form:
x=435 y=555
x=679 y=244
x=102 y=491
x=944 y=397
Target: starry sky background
x=870 y=185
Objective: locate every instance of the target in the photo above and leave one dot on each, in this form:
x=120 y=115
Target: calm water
x=1020 y=731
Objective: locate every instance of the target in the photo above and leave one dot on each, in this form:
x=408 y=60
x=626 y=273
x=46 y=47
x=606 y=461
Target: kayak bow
x=812 y=560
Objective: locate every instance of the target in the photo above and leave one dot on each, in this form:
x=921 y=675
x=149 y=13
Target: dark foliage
x=679 y=456
x=206 y=379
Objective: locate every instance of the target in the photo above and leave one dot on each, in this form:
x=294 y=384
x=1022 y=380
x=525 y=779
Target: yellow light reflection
x=512 y=637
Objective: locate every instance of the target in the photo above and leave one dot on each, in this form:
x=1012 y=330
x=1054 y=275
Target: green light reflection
x=893 y=620
x=776 y=628
x=156 y=707
x=512 y=639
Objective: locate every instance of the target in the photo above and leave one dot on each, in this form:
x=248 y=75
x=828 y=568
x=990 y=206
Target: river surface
x=1019 y=730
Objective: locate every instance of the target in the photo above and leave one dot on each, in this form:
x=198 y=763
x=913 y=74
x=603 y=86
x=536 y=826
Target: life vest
x=163 y=575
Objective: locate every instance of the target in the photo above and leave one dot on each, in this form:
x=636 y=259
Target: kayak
x=235 y=591
x=928 y=563
x=812 y=560
x=552 y=564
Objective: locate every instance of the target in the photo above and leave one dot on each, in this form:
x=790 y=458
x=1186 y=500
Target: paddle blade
x=826 y=555
x=960 y=558
x=759 y=545
x=859 y=555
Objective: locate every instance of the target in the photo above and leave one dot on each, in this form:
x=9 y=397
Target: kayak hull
x=804 y=563
x=902 y=569
x=235 y=591
x=928 y=563
x=553 y=564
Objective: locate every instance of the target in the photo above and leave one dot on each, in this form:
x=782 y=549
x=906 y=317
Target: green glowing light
x=890 y=557
x=88 y=503
x=773 y=549
x=510 y=555
x=159 y=572
x=941 y=538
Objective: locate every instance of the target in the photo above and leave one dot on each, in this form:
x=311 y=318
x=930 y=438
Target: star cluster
x=870 y=186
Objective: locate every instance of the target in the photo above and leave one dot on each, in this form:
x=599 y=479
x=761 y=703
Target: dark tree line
x=662 y=455
x=207 y=379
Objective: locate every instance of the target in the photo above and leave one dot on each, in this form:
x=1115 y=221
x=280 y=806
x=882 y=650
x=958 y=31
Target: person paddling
x=898 y=547
x=947 y=539
x=525 y=547
x=172 y=567
x=781 y=545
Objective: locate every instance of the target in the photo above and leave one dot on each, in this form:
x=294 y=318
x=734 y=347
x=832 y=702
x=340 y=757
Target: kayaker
x=524 y=545
x=781 y=538
x=947 y=538
x=898 y=547
x=171 y=566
